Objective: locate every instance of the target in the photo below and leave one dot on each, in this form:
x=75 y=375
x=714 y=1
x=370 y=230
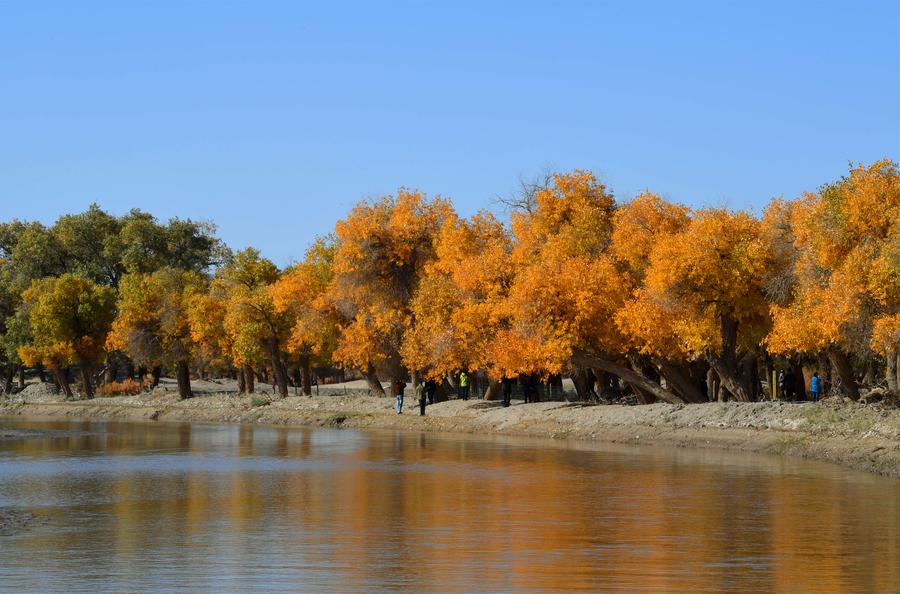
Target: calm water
x=131 y=506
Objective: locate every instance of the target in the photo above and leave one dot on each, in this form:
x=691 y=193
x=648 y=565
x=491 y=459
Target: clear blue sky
x=273 y=118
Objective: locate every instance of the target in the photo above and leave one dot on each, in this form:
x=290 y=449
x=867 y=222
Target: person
x=815 y=386
x=789 y=383
x=507 y=391
x=526 y=388
x=398 y=392
x=463 y=385
x=430 y=390
x=421 y=395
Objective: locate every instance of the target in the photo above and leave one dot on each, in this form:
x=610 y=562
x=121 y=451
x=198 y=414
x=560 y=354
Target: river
x=177 y=507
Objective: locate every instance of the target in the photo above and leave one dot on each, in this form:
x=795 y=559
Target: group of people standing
x=787 y=385
x=425 y=392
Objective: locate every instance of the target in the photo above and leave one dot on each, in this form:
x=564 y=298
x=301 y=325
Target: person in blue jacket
x=815 y=387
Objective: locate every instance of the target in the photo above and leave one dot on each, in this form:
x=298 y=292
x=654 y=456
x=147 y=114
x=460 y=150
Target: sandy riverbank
x=854 y=435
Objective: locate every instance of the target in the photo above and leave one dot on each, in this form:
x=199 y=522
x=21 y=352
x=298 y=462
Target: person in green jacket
x=422 y=395
x=463 y=385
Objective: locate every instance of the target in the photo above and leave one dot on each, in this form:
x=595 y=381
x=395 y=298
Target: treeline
x=669 y=303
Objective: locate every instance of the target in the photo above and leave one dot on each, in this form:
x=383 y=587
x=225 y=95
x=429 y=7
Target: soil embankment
x=865 y=437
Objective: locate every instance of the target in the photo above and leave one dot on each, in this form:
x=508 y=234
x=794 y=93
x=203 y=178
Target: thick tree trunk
x=242 y=383
x=129 y=369
x=62 y=380
x=111 y=373
x=681 y=383
x=493 y=389
x=155 y=374
x=249 y=378
x=893 y=373
x=306 y=376
x=582 y=384
x=643 y=397
x=8 y=373
x=844 y=371
x=279 y=371
x=87 y=384
x=728 y=378
x=628 y=375
x=21 y=376
x=372 y=380
x=42 y=373
x=184 y=380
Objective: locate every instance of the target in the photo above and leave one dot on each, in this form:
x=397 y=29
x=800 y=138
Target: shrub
x=128 y=387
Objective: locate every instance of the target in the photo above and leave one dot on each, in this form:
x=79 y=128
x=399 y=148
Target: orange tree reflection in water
x=265 y=508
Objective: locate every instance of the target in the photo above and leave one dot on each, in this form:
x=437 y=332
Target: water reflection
x=156 y=506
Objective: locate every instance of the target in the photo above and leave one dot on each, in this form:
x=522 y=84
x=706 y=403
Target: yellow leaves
x=713 y=269
x=300 y=293
x=69 y=318
x=886 y=335
x=641 y=224
x=574 y=212
x=847 y=263
x=153 y=323
x=382 y=253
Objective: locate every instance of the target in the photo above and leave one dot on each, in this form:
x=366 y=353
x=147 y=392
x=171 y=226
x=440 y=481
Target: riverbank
x=863 y=437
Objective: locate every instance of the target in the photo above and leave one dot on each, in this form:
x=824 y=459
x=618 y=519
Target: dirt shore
x=864 y=437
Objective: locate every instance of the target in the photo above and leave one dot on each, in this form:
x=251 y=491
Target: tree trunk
x=582 y=385
x=8 y=379
x=184 y=380
x=893 y=373
x=372 y=379
x=842 y=366
x=728 y=378
x=643 y=397
x=712 y=385
x=62 y=380
x=628 y=375
x=306 y=376
x=88 y=385
x=111 y=373
x=155 y=374
x=279 y=371
x=681 y=383
x=249 y=386
x=129 y=369
x=493 y=389
x=42 y=374
x=241 y=380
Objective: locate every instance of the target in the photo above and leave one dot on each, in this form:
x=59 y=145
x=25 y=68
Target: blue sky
x=273 y=118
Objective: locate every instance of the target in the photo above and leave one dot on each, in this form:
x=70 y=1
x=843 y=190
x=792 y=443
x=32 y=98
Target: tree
x=152 y=325
x=300 y=294
x=383 y=249
x=846 y=271
x=708 y=281
x=649 y=331
x=567 y=288
x=69 y=318
x=458 y=308
x=251 y=320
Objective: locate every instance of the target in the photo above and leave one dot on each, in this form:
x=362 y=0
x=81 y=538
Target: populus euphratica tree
x=69 y=318
x=152 y=324
x=383 y=250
